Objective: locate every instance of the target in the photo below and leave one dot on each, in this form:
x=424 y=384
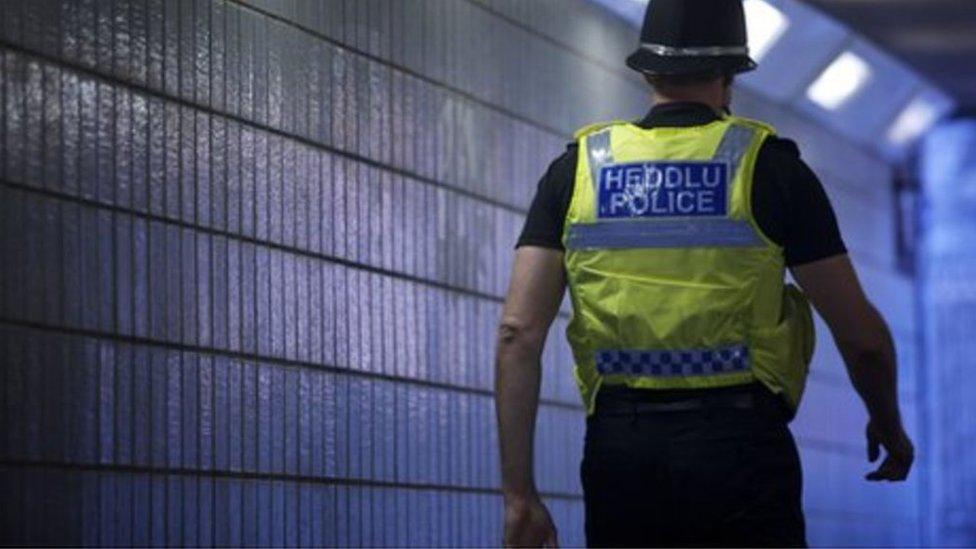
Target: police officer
x=673 y=234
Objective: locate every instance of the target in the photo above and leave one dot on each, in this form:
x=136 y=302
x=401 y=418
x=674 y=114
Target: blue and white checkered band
x=663 y=189
x=674 y=362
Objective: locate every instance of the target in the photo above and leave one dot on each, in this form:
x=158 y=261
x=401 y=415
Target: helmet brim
x=648 y=62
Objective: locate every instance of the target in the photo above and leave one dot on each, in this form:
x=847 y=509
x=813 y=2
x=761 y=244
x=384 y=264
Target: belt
x=620 y=400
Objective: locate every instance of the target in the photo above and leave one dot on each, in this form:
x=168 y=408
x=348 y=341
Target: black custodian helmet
x=693 y=36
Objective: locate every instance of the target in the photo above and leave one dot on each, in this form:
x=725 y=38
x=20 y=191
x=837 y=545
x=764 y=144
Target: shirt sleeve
x=547 y=213
x=791 y=206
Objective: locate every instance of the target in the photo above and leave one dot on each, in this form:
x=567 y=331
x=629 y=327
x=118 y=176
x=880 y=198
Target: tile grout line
x=264 y=476
x=150 y=218
x=255 y=358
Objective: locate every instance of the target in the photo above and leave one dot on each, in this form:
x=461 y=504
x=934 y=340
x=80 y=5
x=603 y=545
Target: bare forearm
x=517 y=380
x=534 y=292
x=865 y=342
x=873 y=373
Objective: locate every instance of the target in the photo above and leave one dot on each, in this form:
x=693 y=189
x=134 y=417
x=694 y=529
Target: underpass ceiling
x=937 y=38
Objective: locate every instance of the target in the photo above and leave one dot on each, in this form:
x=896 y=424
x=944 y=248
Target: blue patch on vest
x=663 y=189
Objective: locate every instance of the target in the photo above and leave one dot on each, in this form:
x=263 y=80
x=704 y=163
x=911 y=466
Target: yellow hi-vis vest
x=673 y=284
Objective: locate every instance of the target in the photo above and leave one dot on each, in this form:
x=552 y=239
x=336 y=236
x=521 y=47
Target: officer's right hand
x=900 y=451
x=528 y=524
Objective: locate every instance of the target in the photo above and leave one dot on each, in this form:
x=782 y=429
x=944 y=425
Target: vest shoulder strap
x=595 y=127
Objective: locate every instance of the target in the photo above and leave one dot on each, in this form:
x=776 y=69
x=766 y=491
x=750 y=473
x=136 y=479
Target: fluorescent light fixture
x=840 y=81
x=766 y=25
x=917 y=117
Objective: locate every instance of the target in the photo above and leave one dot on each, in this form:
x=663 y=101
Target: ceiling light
x=766 y=25
x=840 y=81
x=917 y=117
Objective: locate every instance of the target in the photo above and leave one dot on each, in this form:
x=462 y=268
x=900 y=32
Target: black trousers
x=716 y=476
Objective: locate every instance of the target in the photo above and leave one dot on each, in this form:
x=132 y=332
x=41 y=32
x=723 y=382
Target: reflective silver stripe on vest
x=674 y=362
x=707 y=51
x=733 y=147
x=663 y=233
x=599 y=154
x=667 y=233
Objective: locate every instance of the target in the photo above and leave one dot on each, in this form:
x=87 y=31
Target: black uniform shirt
x=788 y=201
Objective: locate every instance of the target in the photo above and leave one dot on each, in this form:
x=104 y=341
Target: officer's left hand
x=901 y=453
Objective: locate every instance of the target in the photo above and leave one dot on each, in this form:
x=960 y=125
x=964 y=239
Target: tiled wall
x=253 y=254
